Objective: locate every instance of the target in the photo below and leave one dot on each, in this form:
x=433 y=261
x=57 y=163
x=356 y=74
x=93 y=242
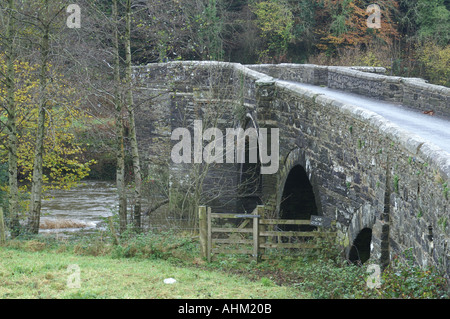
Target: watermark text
x=260 y=141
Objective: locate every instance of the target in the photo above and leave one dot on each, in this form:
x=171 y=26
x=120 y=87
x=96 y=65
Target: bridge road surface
x=434 y=129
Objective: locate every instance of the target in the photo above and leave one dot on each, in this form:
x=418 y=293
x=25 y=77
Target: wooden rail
x=252 y=241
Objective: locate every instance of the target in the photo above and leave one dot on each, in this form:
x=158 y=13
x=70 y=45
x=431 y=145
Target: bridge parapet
x=372 y=82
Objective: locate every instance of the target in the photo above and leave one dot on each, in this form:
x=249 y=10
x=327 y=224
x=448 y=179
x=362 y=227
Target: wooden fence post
x=2 y=228
x=262 y=228
x=203 y=230
x=258 y=210
x=209 y=245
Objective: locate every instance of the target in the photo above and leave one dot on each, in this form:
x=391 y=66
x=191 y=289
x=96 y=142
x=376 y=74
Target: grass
x=43 y=274
x=34 y=269
x=137 y=266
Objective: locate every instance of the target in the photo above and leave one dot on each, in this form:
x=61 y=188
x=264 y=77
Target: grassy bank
x=44 y=274
x=137 y=266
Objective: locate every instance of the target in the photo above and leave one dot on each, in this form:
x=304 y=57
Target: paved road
x=432 y=128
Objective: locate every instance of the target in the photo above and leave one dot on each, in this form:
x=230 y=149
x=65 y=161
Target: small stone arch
x=298 y=199
x=297 y=163
x=360 y=233
x=361 y=248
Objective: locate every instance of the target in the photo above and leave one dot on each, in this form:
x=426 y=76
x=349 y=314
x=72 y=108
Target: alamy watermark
x=74 y=19
x=373 y=281
x=235 y=146
x=374 y=19
x=74 y=278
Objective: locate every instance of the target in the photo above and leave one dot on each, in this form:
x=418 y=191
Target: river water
x=81 y=208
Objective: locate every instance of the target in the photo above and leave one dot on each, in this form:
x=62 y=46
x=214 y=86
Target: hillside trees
x=317 y=31
x=433 y=20
x=275 y=21
x=172 y=30
x=425 y=29
x=345 y=38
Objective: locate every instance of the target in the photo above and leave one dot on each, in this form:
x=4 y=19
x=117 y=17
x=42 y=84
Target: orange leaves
x=347 y=23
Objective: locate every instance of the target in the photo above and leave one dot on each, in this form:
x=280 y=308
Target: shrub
x=436 y=59
x=405 y=279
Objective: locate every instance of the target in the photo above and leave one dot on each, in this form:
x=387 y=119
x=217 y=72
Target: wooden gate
x=238 y=235
x=234 y=238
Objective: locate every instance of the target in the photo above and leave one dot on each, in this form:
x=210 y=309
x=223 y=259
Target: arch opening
x=249 y=179
x=298 y=200
x=360 y=250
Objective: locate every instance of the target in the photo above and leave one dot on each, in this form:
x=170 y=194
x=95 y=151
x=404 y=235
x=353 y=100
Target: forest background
x=413 y=39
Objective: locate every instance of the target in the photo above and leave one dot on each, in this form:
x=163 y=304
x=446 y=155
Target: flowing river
x=81 y=208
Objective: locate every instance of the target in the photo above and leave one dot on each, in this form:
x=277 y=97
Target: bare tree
x=120 y=147
x=130 y=108
x=112 y=25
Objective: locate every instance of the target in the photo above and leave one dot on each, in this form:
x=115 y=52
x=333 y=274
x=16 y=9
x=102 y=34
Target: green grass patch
x=137 y=266
x=44 y=274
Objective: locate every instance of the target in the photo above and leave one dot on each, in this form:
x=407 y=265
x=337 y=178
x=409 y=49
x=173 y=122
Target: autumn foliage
x=332 y=32
x=344 y=23
x=64 y=164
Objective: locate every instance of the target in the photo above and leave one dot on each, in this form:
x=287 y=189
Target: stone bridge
x=386 y=187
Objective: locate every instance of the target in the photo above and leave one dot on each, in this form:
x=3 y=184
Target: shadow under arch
x=361 y=247
x=298 y=200
x=249 y=179
x=297 y=165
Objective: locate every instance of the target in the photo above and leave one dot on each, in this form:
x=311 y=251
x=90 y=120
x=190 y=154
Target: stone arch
x=249 y=177
x=295 y=173
x=298 y=198
x=360 y=249
x=361 y=234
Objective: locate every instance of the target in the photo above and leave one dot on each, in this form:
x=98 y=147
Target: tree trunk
x=130 y=108
x=120 y=149
x=13 y=196
x=36 y=187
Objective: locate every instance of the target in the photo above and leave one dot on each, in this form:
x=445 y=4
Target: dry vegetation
x=61 y=223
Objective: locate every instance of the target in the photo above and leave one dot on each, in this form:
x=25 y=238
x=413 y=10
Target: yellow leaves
x=322 y=46
x=64 y=164
x=437 y=62
x=370 y=59
x=273 y=17
x=275 y=20
x=333 y=40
